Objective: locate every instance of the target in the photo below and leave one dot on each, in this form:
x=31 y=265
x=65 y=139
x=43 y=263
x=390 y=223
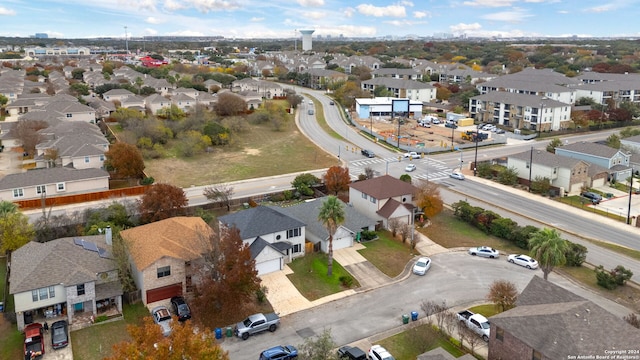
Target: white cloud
x=404 y=22
x=149 y=5
x=5 y=11
x=213 y=5
x=463 y=28
x=601 y=8
x=149 y=31
x=379 y=11
x=488 y=3
x=256 y=19
x=153 y=20
x=515 y=16
x=315 y=15
x=348 y=12
x=420 y=14
x=185 y=33
x=406 y=3
x=311 y=3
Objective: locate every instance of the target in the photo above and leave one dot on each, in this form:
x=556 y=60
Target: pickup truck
x=33 y=341
x=412 y=155
x=476 y=322
x=257 y=323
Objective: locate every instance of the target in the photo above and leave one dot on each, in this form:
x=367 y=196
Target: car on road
x=523 y=260
x=451 y=125
x=410 y=167
x=367 y=153
x=351 y=353
x=484 y=251
x=162 y=317
x=435 y=121
x=331 y=103
x=59 y=334
x=412 y=155
x=280 y=352
x=422 y=266
x=457 y=175
x=595 y=198
x=181 y=308
x=377 y=352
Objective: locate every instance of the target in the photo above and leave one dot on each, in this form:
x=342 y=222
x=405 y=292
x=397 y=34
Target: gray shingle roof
x=590 y=148
x=259 y=244
x=37 y=265
x=384 y=187
x=49 y=176
x=398 y=83
x=259 y=221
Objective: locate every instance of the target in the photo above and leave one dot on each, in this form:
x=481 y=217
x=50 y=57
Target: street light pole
x=530 y=167
x=540 y=119
x=475 y=161
x=630 y=192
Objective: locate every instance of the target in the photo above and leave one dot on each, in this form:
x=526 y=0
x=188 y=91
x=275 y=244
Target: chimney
x=108 y=235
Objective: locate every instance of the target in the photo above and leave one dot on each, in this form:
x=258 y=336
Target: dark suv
x=368 y=153
x=595 y=198
x=181 y=308
x=351 y=353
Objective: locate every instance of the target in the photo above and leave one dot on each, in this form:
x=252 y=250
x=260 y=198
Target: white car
x=410 y=167
x=412 y=154
x=456 y=175
x=523 y=260
x=377 y=352
x=422 y=266
x=162 y=316
x=484 y=251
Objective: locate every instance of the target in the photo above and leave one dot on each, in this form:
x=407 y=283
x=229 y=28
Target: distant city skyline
x=329 y=18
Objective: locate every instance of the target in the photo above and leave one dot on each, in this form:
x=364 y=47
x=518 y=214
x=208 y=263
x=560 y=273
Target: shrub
x=614 y=278
x=147 y=181
x=368 y=235
x=576 y=254
x=346 y=281
x=101 y=318
x=540 y=185
x=287 y=194
x=484 y=219
x=261 y=294
x=508 y=176
x=484 y=170
x=503 y=227
x=520 y=236
x=621 y=275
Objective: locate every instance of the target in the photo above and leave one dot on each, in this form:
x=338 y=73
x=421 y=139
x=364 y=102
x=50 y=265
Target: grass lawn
x=310 y=276
x=11 y=341
x=409 y=344
x=387 y=254
x=258 y=152
x=487 y=310
x=95 y=342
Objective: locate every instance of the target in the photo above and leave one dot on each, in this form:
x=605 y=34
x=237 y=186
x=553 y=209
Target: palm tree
x=7 y=207
x=331 y=215
x=548 y=248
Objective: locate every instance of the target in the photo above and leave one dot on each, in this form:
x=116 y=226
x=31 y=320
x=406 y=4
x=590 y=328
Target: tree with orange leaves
x=147 y=343
x=337 y=179
x=428 y=198
x=162 y=201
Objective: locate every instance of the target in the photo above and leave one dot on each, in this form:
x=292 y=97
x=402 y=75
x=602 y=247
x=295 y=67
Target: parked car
x=410 y=167
x=523 y=260
x=422 y=266
x=456 y=175
x=34 y=341
x=412 y=155
x=257 y=323
x=181 y=308
x=59 y=334
x=476 y=322
x=162 y=317
x=435 y=121
x=595 y=198
x=484 y=251
x=280 y=352
x=377 y=352
x=451 y=125
x=331 y=103
x=499 y=131
x=367 y=153
x=351 y=353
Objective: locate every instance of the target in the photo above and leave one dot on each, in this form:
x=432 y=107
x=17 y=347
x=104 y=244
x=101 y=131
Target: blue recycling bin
x=218 y=333
x=414 y=315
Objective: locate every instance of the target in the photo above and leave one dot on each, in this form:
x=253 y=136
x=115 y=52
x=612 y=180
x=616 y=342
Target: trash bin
x=218 y=333
x=1 y=306
x=229 y=332
x=414 y=315
x=405 y=319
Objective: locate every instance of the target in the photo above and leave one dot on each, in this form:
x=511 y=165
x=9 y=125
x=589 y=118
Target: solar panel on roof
x=103 y=253
x=78 y=241
x=88 y=245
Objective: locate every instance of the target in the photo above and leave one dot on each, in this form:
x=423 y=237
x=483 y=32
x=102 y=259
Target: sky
x=68 y=19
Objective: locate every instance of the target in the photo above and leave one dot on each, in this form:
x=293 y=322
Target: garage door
x=268 y=266
x=164 y=292
x=342 y=243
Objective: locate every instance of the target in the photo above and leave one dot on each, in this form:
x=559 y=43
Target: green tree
x=7 y=207
x=553 y=144
x=548 y=248
x=303 y=183
x=319 y=347
x=15 y=231
x=508 y=176
x=382 y=91
x=331 y=215
x=613 y=141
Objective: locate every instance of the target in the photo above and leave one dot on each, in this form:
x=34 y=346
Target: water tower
x=306 y=39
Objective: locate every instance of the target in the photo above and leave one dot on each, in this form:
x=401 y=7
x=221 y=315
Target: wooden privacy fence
x=80 y=198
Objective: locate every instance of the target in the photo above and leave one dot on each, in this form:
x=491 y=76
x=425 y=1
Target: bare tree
x=451 y=320
x=394 y=225
x=633 y=320
x=415 y=239
x=503 y=293
x=428 y=308
x=368 y=173
x=221 y=193
x=441 y=314
x=405 y=232
x=472 y=338
x=27 y=132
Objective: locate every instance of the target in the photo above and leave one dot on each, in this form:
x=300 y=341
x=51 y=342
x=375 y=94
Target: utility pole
x=126 y=42
x=630 y=192
x=530 y=167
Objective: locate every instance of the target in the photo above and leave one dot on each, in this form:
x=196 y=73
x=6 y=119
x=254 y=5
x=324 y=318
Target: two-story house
x=617 y=161
x=164 y=256
x=63 y=279
x=73 y=145
x=551 y=323
x=384 y=198
x=274 y=237
x=117 y=95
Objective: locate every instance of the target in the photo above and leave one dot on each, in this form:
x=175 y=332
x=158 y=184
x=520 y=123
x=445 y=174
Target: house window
x=499 y=333
x=44 y=293
x=364 y=196
x=372 y=199
x=297 y=248
x=164 y=271
x=41 y=189
x=34 y=295
x=293 y=233
x=536 y=355
x=101 y=157
x=80 y=289
x=52 y=291
x=18 y=193
x=86 y=159
x=60 y=186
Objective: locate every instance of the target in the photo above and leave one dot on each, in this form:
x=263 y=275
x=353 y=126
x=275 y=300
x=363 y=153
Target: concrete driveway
x=61 y=354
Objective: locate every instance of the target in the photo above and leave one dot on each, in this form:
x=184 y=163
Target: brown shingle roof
x=179 y=237
x=384 y=187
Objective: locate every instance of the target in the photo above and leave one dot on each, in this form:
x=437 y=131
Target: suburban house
x=116 y=95
x=384 y=198
x=156 y=102
x=323 y=78
x=631 y=144
x=63 y=279
x=316 y=233
x=402 y=88
x=162 y=256
x=550 y=323
x=266 y=89
x=397 y=73
x=274 y=237
x=72 y=145
x=103 y=109
x=568 y=174
x=35 y=184
x=616 y=161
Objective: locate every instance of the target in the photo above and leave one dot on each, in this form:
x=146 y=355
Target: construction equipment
x=472 y=136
